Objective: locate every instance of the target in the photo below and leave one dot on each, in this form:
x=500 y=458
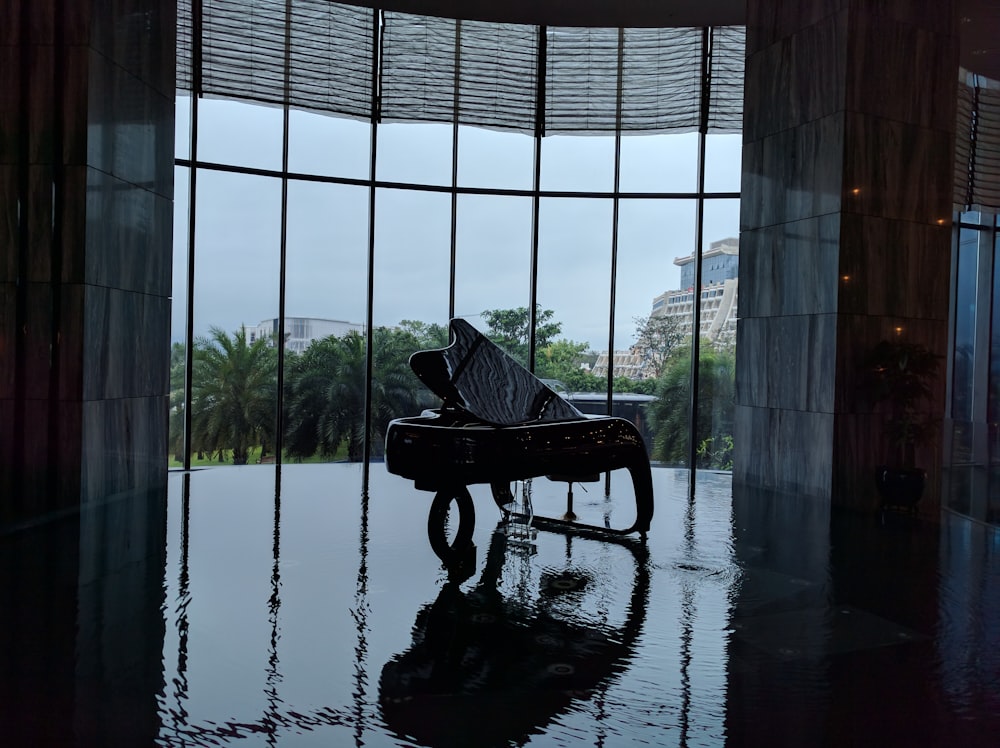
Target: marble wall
x=86 y=178
x=845 y=229
x=86 y=189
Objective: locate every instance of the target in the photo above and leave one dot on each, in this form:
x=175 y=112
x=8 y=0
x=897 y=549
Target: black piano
x=499 y=424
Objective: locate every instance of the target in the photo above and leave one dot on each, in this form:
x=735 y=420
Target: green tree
x=656 y=338
x=560 y=359
x=511 y=330
x=327 y=393
x=234 y=394
x=307 y=398
x=426 y=335
x=176 y=435
x=716 y=407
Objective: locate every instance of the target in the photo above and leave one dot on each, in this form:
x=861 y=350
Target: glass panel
x=659 y=163
x=182 y=127
x=328 y=146
x=717 y=359
x=578 y=163
x=325 y=308
x=574 y=270
x=648 y=341
x=717 y=354
x=722 y=221
x=993 y=407
x=723 y=162
x=178 y=307
x=494 y=159
x=415 y=153
x=178 y=316
x=412 y=275
x=965 y=325
x=236 y=295
x=239 y=134
x=493 y=255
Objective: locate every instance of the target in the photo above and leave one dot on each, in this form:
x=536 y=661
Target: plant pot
x=900 y=487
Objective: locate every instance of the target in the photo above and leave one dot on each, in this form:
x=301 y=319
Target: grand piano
x=499 y=424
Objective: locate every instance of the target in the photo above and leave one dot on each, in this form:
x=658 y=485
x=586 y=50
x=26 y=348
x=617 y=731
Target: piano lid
x=473 y=374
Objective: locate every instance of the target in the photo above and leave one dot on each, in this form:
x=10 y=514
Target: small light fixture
x=845 y=278
x=856 y=191
x=899 y=330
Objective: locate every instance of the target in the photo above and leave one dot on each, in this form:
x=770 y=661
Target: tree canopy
x=716 y=406
x=656 y=339
x=511 y=329
x=234 y=393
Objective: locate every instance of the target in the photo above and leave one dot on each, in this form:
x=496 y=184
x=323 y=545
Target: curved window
x=359 y=176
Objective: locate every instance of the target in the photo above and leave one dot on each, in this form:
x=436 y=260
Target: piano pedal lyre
x=516 y=510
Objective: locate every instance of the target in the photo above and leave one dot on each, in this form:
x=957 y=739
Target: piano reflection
x=499 y=424
x=495 y=663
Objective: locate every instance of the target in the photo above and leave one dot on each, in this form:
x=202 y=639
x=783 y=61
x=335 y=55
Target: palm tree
x=234 y=394
x=176 y=424
x=327 y=393
x=394 y=389
x=307 y=383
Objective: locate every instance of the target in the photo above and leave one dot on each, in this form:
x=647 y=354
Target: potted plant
x=898 y=377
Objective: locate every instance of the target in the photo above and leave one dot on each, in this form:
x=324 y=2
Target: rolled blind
x=977 y=144
x=581 y=80
x=443 y=70
x=725 y=111
x=661 y=80
x=243 y=50
x=496 y=65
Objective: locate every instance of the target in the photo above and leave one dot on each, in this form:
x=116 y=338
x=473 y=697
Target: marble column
x=86 y=181
x=845 y=230
x=86 y=188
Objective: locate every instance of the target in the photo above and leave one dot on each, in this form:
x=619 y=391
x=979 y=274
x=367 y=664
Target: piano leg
x=642 y=485
x=437 y=532
x=570 y=514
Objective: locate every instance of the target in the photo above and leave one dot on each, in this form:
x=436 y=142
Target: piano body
x=498 y=424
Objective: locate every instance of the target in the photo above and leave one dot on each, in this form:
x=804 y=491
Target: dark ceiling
x=979 y=20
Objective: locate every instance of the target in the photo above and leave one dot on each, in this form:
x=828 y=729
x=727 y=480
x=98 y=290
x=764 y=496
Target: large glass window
x=495 y=159
x=532 y=199
x=325 y=308
x=973 y=476
x=233 y=392
x=493 y=254
x=328 y=146
x=659 y=163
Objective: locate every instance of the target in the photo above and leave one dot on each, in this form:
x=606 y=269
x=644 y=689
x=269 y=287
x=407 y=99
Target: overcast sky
x=238 y=222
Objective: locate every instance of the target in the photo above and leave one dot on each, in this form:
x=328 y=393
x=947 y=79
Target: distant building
x=628 y=363
x=719 y=292
x=301 y=331
x=719 y=295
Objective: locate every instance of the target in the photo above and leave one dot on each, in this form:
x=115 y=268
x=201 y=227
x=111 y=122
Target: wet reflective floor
x=304 y=611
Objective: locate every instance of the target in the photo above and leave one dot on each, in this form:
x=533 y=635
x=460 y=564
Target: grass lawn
x=254 y=458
